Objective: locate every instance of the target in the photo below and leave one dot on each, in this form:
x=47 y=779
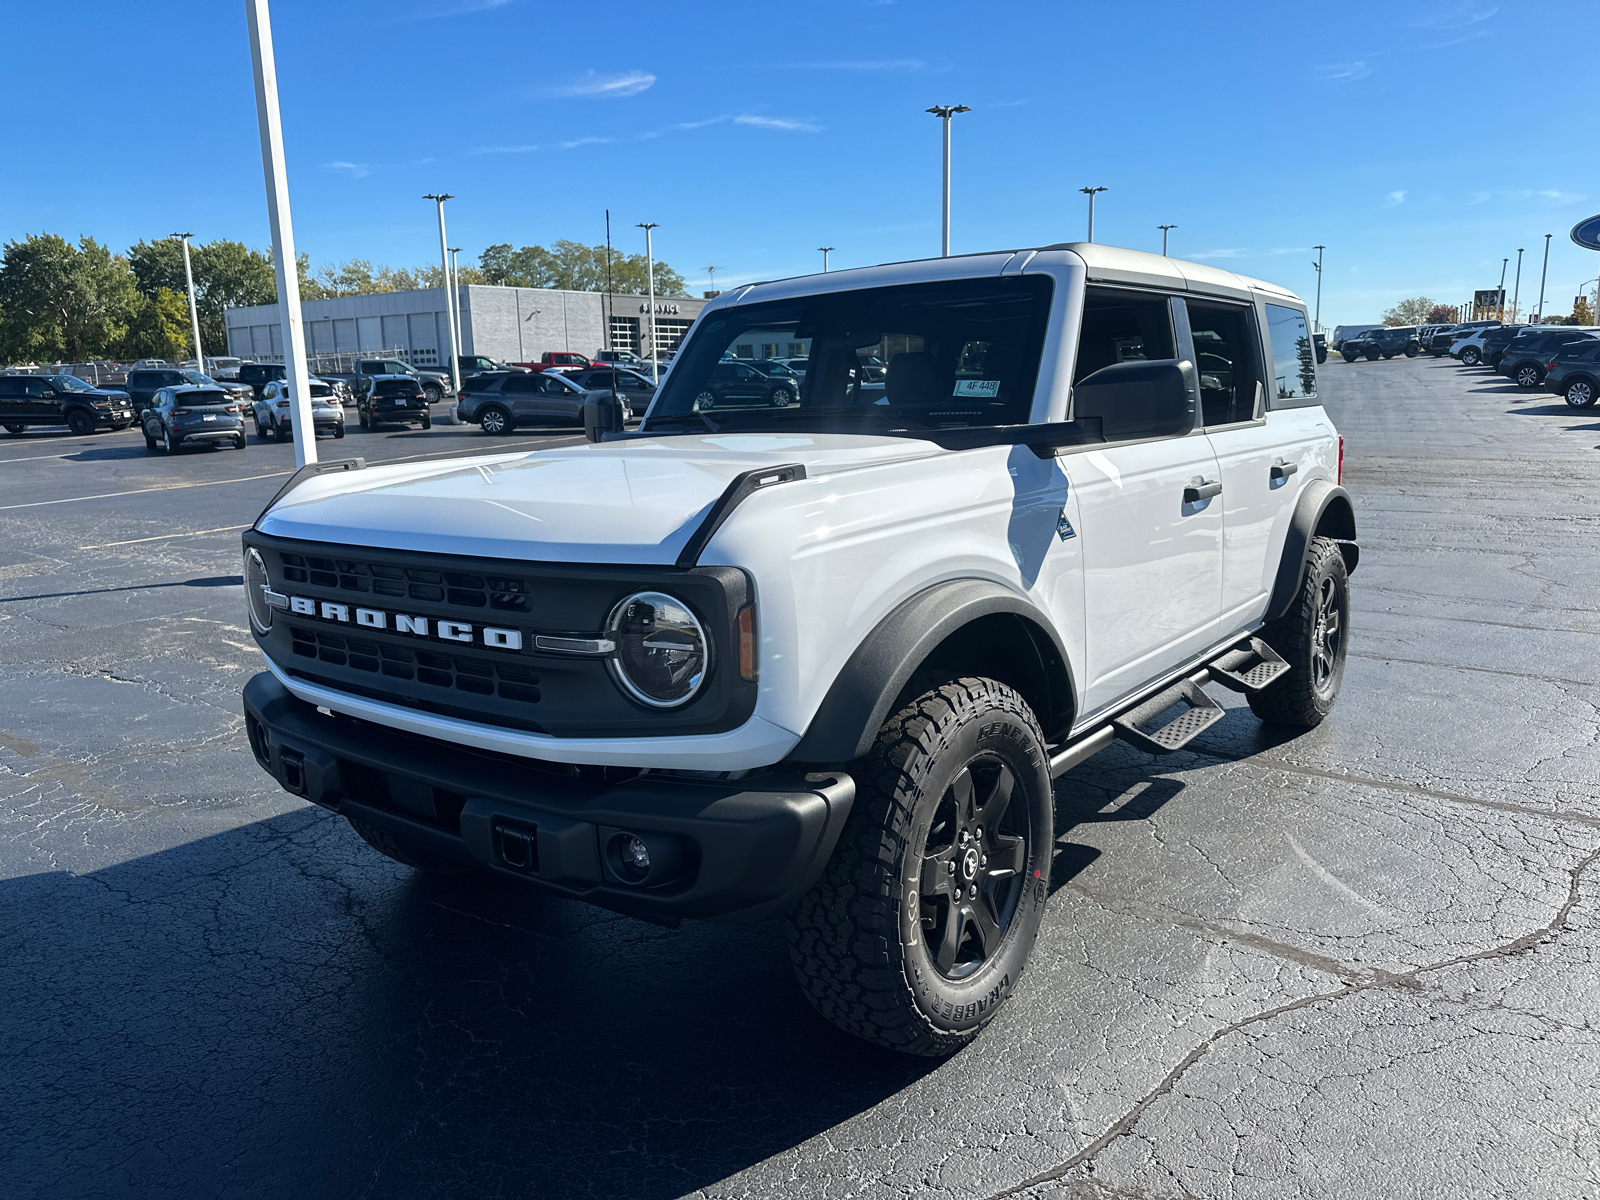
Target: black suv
x=258 y=375
x=1400 y=339
x=736 y=384
x=394 y=398
x=1573 y=372
x=1526 y=357
x=61 y=400
x=1495 y=343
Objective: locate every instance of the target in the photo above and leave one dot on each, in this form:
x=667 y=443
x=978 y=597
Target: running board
x=1202 y=713
x=1248 y=668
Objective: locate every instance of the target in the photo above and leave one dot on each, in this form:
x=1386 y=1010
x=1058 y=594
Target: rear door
x=13 y=401
x=523 y=395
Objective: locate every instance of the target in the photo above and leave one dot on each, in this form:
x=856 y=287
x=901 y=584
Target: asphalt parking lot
x=1360 y=962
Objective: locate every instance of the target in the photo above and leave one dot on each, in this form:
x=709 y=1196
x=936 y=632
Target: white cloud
x=867 y=64
x=1344 y=72
x=1394 y=199
x=1457 y=15
x=608 y=87
x=787 y=123
x=1210 y=254
x=352 y=169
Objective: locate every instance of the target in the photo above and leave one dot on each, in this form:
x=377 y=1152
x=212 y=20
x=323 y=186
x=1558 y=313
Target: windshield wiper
x=681 y=424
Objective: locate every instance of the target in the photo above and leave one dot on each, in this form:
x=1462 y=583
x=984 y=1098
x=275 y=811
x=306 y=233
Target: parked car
x=1573 y=373
x=501 y=401
x=192 y=414
x=1467 y=346
x=256 y=376
x=631 y=386
x=1384 y=341
x=394 y=399
x=797 y=365
x=477 y=364
x=808 y=671
x=1341 y=332
x=144 y=382
x=1320 y=342
x=274 y=412
x=1493 y=342
x=557 y=358
x=1525 y=358
x=435 y=385
x=621 y=358
x=733 y=383
x=28 y=400
x=777 y=369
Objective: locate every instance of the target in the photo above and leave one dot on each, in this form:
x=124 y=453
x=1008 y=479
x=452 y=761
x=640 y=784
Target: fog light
x=635 y=856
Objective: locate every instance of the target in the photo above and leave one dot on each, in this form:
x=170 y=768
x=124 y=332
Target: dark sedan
x=1573 y=373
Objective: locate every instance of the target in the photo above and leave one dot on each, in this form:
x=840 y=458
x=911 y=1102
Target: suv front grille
x=509 y=681
x=502 y=593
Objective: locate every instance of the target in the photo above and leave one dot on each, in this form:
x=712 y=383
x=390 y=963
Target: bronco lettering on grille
x=374 y=618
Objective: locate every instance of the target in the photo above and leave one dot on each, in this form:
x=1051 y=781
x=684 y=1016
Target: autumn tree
x=1442 y=314
x=1411 y=312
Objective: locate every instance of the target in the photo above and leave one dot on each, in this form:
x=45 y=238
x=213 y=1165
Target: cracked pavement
x=1362 y=961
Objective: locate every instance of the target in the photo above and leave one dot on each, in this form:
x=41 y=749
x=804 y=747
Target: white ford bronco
x=822 y=659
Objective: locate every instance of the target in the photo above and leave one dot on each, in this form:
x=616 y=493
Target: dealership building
x=512 y=324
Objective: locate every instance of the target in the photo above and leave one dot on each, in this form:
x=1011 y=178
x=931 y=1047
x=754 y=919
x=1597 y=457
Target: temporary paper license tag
x=988 y=388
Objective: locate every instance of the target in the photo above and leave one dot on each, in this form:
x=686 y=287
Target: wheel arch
x=963 y=627
x=1323 y=510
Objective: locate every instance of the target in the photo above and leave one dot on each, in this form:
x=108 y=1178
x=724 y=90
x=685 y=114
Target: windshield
x=959 y=354
x=196 y=378
x=70 y=383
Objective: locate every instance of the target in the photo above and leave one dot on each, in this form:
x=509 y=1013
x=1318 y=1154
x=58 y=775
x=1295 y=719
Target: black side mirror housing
x=601 y=416
x=1149 y=399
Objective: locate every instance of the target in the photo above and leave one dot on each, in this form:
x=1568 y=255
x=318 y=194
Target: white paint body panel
x=1137 y=590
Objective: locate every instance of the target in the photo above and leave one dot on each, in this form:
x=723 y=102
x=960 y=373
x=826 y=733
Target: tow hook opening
x=292 y=771
x=517 y=846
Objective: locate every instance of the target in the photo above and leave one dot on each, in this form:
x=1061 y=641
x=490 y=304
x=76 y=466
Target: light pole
x=711 y=273
x=1164 y=229
x=1516 y=294
x=826 y=250
x=1316 y=321
x=285 y=267
x=455 y=290
x=1090 y=192
x=438 y=199
x=1544 y=273
x=944 y=112
x=194 y=311
x=650 y=278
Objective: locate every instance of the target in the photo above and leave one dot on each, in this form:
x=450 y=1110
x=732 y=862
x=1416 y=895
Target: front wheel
x=494 y=419
x=1580 y=393
x=434 y=393
x=704 y=402
x=782 y=397
x=1413 y=351
x=1372 y=354
x=1387 y=355
x=1313 y=638
x=1350 y=356
x=80 y=422
x=920 y=926
x=16 y=428
x=1470 y=356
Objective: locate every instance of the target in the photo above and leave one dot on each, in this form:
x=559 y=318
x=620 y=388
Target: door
x=13 y=402
x=1263 y=447
x=41 y=403
x=524 y=395
x=1151 y=521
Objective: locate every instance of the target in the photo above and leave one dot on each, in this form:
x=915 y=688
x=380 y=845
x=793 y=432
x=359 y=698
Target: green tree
x=572 y=266
x=227 y=274
x=62 y=302
x=1581 y=313
x=160 y=328
x=1411 y=312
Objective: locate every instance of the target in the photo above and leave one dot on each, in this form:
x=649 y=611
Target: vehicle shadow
x=280 y=1007
x=1544 y=410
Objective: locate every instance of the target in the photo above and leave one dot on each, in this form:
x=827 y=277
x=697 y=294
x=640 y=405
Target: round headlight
x=256 y=584
x=662 y=655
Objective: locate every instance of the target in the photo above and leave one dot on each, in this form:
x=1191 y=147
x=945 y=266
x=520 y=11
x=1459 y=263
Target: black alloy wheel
x=15 y=428
x=494 y=419
x=1313 y=638
x=1470 y=357
x=1350 y=356
x=80 y=422
x=1373 y=353
x=1580 y=393
x=1529 y=376
x=1413 y=350
x=1387 y=355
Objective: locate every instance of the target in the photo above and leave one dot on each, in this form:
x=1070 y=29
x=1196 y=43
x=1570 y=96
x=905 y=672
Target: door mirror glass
x=1137 y=399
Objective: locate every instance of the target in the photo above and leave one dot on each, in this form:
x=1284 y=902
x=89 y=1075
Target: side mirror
x=1139 y=399
x=602 y=416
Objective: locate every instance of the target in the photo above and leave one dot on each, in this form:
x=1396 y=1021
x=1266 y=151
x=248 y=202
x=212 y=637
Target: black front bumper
x=720 y=848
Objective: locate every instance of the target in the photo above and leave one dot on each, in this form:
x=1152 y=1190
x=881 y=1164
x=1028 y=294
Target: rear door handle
x=1282 y=470
x=1201 y=489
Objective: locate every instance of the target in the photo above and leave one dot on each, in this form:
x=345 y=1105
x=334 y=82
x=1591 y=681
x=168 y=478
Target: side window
x=1117 y=327
x=521 y=384
x=10 y=387
x=33 y=387
x=1294 y=359
x=1224 y=339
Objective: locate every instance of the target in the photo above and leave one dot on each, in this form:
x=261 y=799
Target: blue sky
x=1420 y=142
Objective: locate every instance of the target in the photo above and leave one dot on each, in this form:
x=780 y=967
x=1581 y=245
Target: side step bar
x=1247 y=667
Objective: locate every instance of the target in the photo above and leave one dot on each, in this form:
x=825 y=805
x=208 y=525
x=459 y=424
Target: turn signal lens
x=747 y=643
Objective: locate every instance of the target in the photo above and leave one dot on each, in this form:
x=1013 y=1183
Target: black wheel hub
x=972 y=868
x=1327 y=636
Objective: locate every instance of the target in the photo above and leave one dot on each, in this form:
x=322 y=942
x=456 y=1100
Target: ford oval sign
x=1587 y=233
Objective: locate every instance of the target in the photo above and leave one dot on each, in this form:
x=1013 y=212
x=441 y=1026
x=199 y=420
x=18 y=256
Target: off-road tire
x=1413 y=351
x=1350 y=356
x=856 y=939
x=80 y=422
x=416 y=857
x=1373 y=354
x=1304 y=696
x=1387 y=355
x=1471 y=357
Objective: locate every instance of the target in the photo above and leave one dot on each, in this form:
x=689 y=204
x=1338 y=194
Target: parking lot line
x=161 y=537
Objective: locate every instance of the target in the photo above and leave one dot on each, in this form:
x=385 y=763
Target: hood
x=624 y=502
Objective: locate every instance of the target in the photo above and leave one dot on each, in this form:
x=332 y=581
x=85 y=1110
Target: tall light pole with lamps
x=1516 y=293
x=944 y=112
x=194 y=310
x=826 y=250
x=438 y=199
x=284 y=265
x=1544 y=273
x=650 y=278
x=1164 y=229
x=1090 y=192
x=1316 y=320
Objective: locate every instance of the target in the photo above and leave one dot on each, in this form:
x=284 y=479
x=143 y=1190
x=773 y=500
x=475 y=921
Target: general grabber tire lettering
x=1313 y=638
x=387 y=844
x=918 y=929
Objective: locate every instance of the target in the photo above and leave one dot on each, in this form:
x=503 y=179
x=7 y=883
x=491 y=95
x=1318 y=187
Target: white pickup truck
x=823 y=660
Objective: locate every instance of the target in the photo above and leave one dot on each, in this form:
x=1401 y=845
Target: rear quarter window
x=1294 y=358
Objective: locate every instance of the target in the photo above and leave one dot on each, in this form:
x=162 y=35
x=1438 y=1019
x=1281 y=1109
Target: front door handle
x=1282 y=470
x=1201 y=489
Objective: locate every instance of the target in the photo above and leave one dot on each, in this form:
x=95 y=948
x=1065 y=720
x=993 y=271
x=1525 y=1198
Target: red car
x=557 y=358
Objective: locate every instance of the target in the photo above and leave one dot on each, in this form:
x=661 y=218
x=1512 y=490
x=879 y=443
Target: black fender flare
x=858 y=702
x=1323 y=509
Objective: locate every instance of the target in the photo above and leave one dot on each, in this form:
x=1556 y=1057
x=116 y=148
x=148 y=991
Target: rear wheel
x=1529 y=376
x=338 y=430
x=704 y=402
x=1313 y=639
x=1580 y=393
x=366 y=421
x=172 y=442
x=1470 y=356
x=782 y=397
x=15 y=428
x=416 y=857
x=80 y=422
x=239 y=441
x=1413 y=351
x=920 y=925
x=494 y=419
x=279 y=433
x=427 y=420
